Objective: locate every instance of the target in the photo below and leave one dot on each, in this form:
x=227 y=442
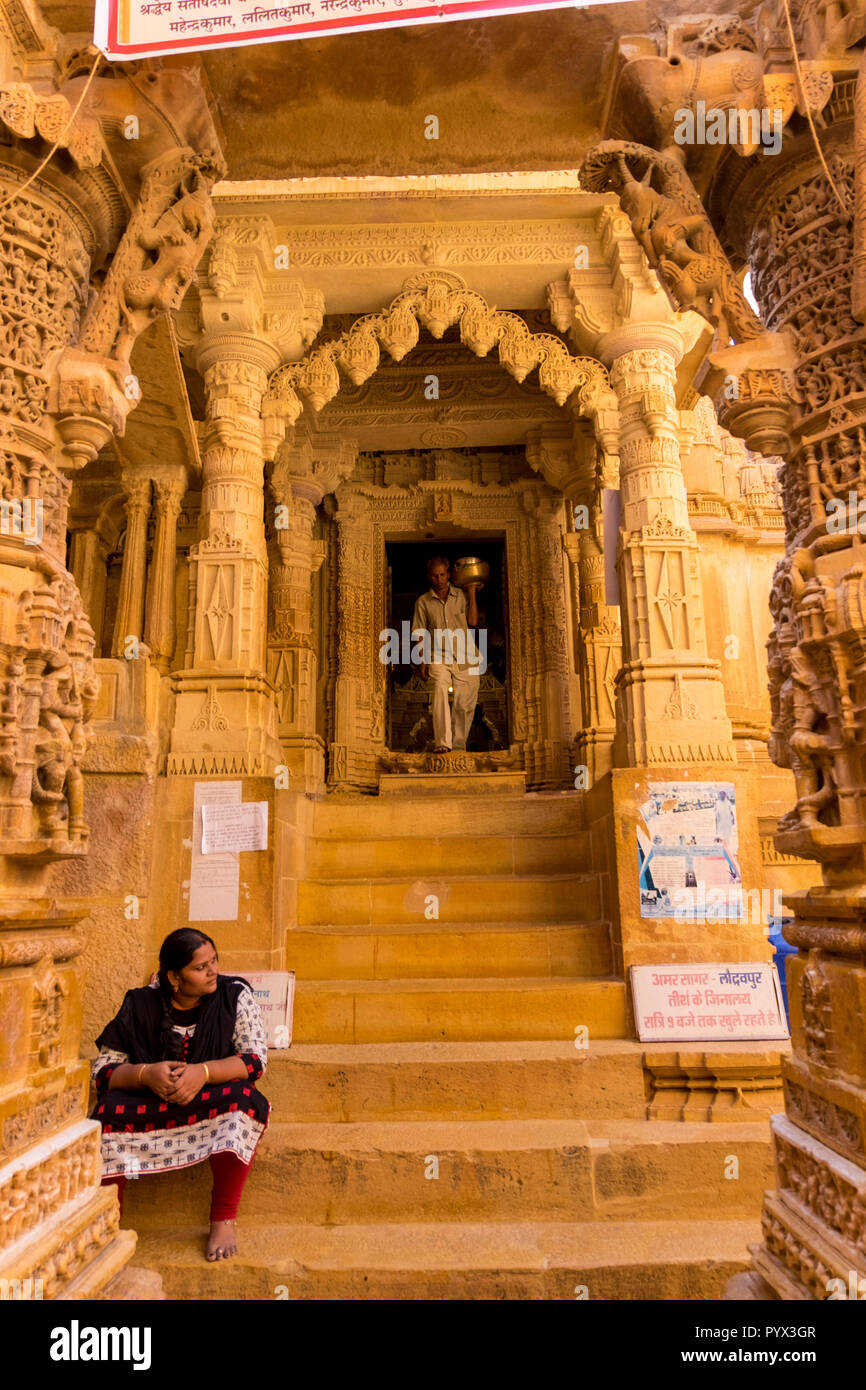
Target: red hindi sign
x=146 y=28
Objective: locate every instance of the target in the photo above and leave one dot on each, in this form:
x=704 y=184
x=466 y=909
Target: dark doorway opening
x=410 y=727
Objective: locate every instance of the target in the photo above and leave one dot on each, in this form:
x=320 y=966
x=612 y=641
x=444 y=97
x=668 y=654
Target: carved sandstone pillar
x=672 y=700
x=353 y=755
x=802 y=253
x=600 y=647
x=88 y=559
x=159 y=631
x=306 y=469
x=92 y=249
x=571 y=462
x=129 y=618
x=58 y=1227
x=225 y=708
x=292 y=663
x=549 y=733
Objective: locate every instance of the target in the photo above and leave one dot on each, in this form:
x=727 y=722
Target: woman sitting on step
x=176 y=1077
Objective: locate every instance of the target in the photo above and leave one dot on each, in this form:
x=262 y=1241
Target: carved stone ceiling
x=511 y=92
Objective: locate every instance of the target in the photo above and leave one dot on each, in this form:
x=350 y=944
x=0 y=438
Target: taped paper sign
x=214 y=878
x=687 y=850
x=707 y=1003
x=275 y=996
x=227 y=828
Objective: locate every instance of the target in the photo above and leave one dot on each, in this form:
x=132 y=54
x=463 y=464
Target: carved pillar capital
x=248 y=289
x=312 y=466
x=169 y=492
x=136 y=490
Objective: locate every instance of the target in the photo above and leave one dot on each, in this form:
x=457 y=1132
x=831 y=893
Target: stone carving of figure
x=177 y=239
x=8 y=390
x=29 y=349
x=58 y=783
x=669 y=221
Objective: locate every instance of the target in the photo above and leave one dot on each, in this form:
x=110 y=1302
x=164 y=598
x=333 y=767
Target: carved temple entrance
x=442 y=496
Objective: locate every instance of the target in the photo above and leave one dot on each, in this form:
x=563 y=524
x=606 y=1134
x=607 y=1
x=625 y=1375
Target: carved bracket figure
x=155 y=262
x=669 y=222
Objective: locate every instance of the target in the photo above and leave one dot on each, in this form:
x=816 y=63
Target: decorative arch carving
x=437 y=299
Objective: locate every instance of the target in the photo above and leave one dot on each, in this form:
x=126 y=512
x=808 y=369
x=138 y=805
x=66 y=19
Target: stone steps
x=433 y=950
x=381 y=901
x=489 y=1170
x=461 y=1261
x=502 y=853
x=370 y=817
x=456 y=1081
x=450 y=1041
x=480 y=1009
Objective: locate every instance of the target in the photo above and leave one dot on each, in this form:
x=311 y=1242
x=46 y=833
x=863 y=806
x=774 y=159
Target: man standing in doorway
x=442 y=615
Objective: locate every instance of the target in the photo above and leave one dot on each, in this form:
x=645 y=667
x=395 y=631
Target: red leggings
x=229 y=1176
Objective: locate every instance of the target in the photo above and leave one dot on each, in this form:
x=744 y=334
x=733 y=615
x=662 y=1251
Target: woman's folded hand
x=161 y=1077
x=188 y=1082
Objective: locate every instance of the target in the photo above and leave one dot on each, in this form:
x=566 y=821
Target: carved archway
x=435 y=299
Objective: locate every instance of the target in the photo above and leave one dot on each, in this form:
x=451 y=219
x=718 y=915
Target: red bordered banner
x=147 y=28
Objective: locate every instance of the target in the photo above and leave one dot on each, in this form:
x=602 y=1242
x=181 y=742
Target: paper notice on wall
x=687 y=846
x=214 y=879
x=708 y=1003
x=275 y=996
x=228 y=828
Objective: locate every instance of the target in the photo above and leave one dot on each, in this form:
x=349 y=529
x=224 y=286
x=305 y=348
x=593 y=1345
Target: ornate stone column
x=129 y=618
x=672 y=699
x=572 y=461
x=306 y=469
x=793 y=384
x=88 y=559
x=250 y=319
x=65 y=388
x=600 y=645
x=353 y=756
x=224 y=706
x=160 y=627
x=803 y=249
x=565 y=457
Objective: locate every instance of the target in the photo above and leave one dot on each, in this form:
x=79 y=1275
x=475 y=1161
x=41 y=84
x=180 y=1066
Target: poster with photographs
x=687 y=852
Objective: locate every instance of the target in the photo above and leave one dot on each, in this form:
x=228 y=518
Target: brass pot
x=470 y=570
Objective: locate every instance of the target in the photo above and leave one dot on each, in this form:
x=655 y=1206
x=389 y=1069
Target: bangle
x=141 y=1071
x=206 y=1072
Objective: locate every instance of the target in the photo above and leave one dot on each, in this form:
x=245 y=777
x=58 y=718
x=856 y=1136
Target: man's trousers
x=465 y=685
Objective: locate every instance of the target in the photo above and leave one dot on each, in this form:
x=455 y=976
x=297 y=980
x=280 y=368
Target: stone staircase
x=435 y=1133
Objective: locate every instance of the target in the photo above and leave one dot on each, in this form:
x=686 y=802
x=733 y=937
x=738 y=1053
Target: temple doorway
x=410 y=727
x=395 y=511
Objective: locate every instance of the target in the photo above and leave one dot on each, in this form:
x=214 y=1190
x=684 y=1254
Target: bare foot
x=223 y=1241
